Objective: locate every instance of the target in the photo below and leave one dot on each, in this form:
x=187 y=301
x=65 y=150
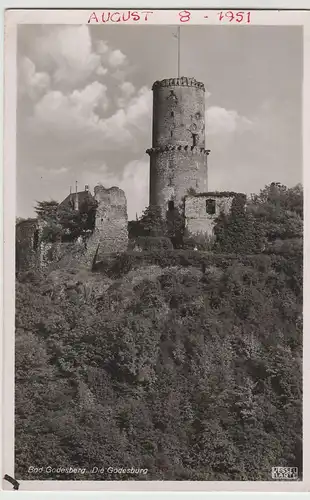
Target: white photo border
x=170 y=17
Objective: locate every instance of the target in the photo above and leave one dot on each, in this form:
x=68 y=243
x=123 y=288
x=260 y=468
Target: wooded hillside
x=184 y=363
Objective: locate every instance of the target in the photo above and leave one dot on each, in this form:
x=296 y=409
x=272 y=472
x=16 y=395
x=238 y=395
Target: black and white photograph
x=158 y=220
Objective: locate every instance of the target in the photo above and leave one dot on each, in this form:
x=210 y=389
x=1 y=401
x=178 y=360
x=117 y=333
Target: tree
x=152 y=222
x=47 y=210
x=272 y=217
x=278 y=211
x=279 y=197
x=62 y=222
x=47 y=213
x=175 y=224
x=163 y=367
x=237 y=232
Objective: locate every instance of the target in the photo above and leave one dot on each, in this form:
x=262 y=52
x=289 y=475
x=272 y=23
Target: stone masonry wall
x=174 y=172
x=27 y=245
x=178 y=112
x=31 y=252
x=111 y=232
x=178 y=159
x=196 y=216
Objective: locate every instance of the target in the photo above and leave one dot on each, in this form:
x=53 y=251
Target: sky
x=84 y=106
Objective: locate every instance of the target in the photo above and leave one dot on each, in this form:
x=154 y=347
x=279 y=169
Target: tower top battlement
x=182 y=81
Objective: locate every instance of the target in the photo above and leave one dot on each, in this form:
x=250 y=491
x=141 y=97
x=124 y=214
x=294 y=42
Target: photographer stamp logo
x=282 y=473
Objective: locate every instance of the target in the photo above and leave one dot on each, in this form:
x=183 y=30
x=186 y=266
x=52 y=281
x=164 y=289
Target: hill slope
x=194 y=376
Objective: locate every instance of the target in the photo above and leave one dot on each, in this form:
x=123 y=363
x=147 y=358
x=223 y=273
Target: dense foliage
x=63 y=223
x=186 y=363
x=270 y=220
x=153 y=224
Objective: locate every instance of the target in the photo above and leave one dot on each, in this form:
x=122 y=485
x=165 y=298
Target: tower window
x=172 y=114
x=210 y=207
x=171 y=133
x=172 y=96
x=170 y=205
x=195 y=139
x=170 y=181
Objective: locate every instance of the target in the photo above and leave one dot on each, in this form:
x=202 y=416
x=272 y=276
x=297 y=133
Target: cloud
x=133 y=179
x=135 y=183
x=101 y=47
x=134 y=118
x=68 y=54
x=70 y=113
x=220 y=121
x=79 y=117
x=116 y=58
x=127 y=90
x=101 y=71
x=31 y=83
x=52 y=171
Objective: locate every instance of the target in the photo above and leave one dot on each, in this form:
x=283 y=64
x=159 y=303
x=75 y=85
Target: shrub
x=203 y=241
x=188 y=243
x=149 y=243
x=152 y=222
x=172 y=370
x=120 y=265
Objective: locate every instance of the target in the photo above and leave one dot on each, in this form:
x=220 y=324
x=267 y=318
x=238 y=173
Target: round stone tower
x=178 y=158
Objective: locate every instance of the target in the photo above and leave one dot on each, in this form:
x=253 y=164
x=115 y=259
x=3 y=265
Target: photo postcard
x=153 y=259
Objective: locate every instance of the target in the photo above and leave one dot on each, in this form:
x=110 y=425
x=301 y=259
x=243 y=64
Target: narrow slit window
x=172 y=114
x=210 y=207
x=170 y=205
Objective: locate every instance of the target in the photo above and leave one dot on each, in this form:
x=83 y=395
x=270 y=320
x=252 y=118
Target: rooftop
x=82 y=196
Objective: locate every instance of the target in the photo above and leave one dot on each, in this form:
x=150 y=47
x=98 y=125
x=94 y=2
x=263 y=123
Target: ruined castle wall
x=111 y=231
x=198 y=220
x=27 y=245
x=31 y=252
x=178 y=159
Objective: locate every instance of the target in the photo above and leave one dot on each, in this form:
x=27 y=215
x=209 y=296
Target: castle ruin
x=110 y=232
x=178 y=180
x=179 y=158
x=111 y=223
